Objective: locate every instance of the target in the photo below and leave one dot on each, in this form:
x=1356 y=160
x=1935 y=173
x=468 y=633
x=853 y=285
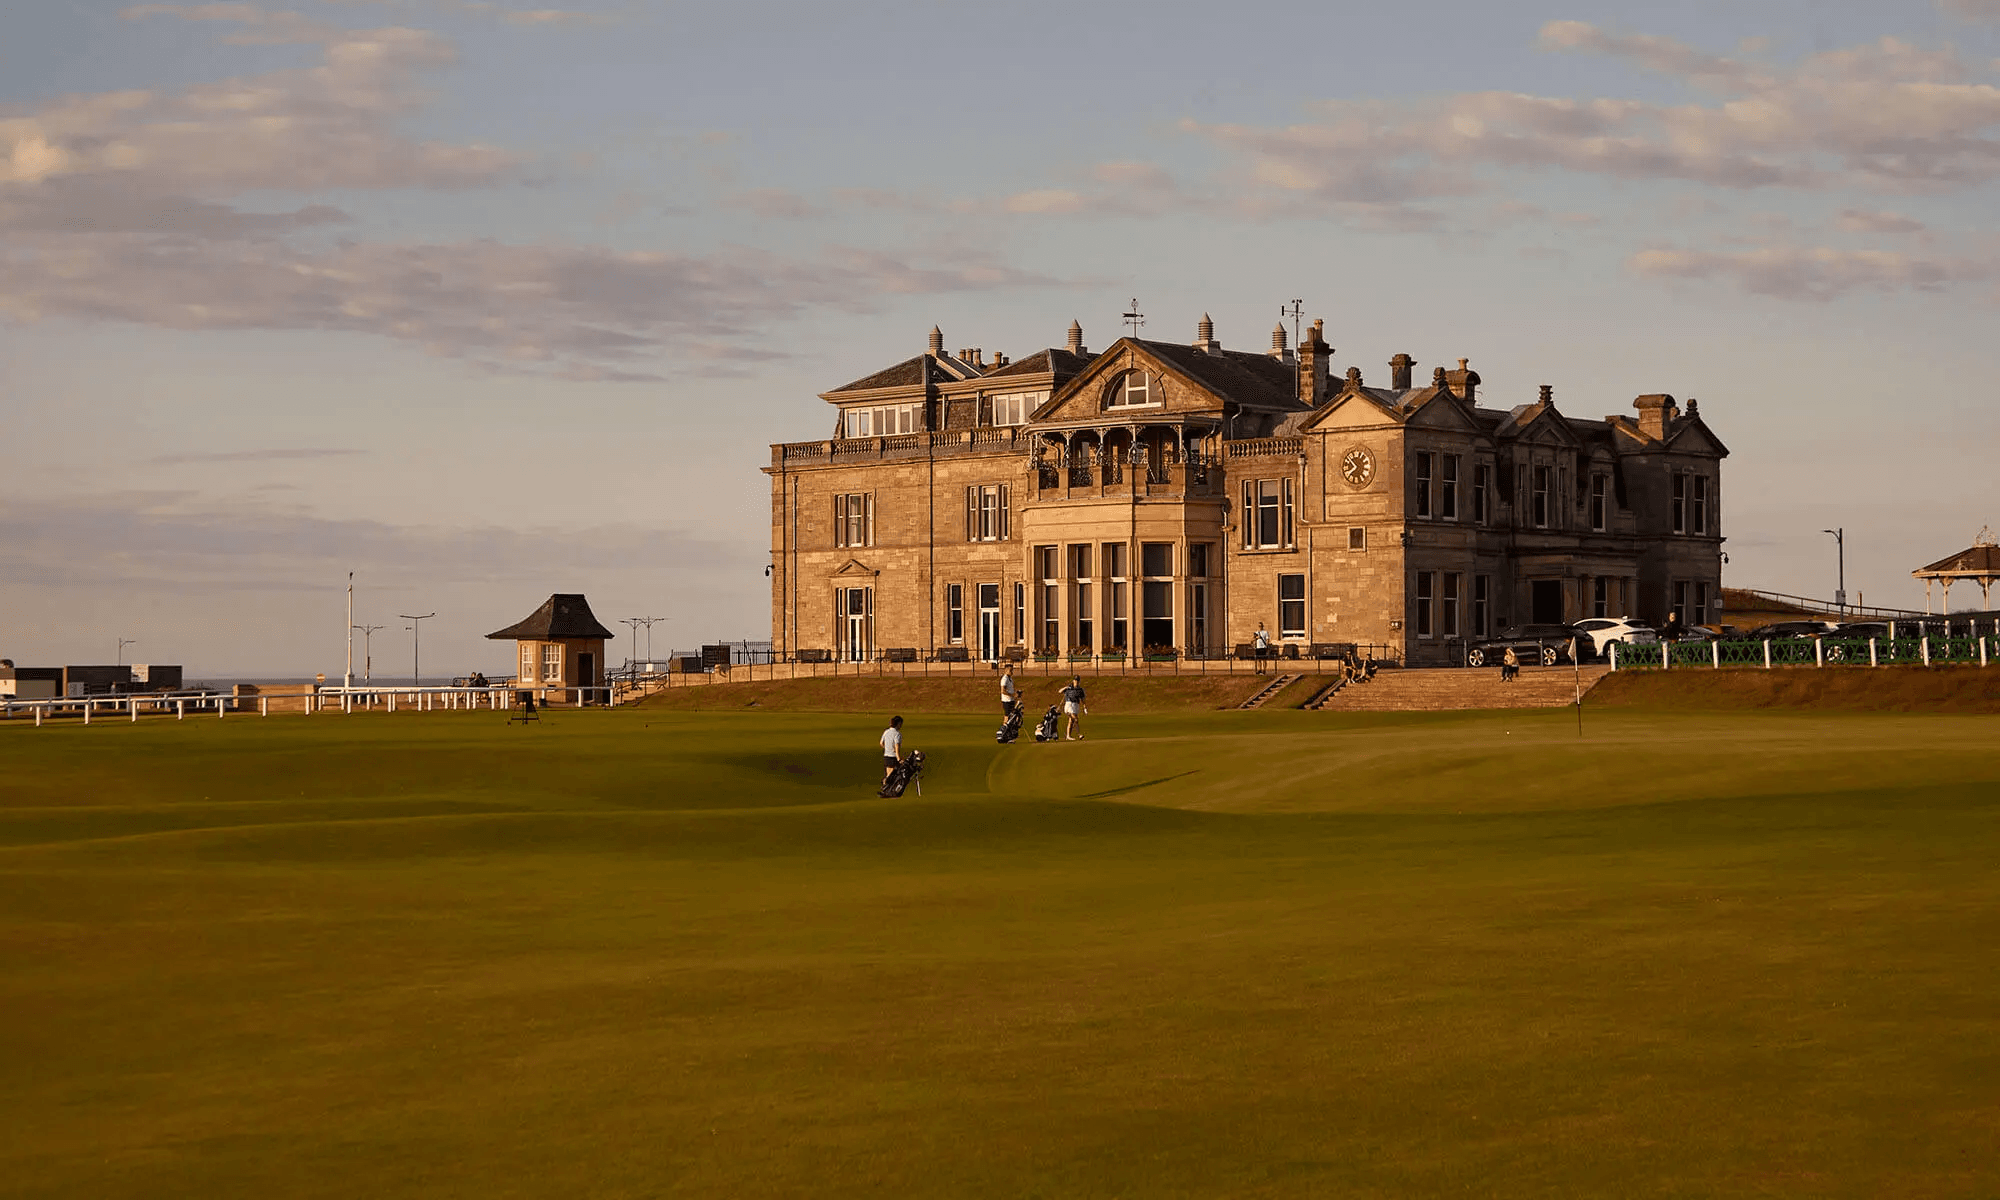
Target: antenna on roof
x=1135 y=318
x=1293 y=310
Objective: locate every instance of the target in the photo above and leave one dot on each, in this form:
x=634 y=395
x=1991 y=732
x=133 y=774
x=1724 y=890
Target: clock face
x=1357 y=467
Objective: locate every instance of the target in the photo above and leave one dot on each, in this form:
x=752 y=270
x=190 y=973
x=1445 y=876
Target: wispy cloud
x=240 y=456
x=1815 y=272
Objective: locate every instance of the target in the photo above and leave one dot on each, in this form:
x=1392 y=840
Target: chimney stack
x=1548 y=394
x=1314 y=357
x=1204 y=336
x=1464 y=382
x=1438 y=380
x=1656 y=415
x=1076 y=339
x=1399 y=372
x=1279 y=349
x=937 y=342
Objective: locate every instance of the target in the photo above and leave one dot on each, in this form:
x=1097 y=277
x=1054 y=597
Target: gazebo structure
x=1980 y=563
x=561 y=646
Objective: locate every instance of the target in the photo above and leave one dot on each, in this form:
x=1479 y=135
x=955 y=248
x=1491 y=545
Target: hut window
x=552 y=661
x=527 y=662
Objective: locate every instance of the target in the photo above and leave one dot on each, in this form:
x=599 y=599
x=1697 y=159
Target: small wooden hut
x=1980 y=564
x=558 y=646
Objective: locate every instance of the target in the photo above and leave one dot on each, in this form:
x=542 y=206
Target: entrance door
x=856 y=612
x=989 y=622
x=1547 y=601
x=1198 y=620
x=586 y=675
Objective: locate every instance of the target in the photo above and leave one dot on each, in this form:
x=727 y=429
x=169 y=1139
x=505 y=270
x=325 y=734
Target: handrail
x=1808 y=604
x=1266 y=447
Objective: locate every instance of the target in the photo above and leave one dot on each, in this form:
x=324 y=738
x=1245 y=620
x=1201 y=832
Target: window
x=854 y=631
x=1085 y=626
x=1482 y=600
x=1680 y=503
x=1357 y=537
x=1198 y=619
x=1680 y=606
x=1158 y=597
x=1013 y=409
x=986 y=513
x=1291 y=606
x=1697 y=504
x=1156 y=559
x=1426 y=593
x=1451 y=579
x=1541 y=509
x=1198 y=560
x=552 y=662
x=1267 y=514
x=1423 y=501
x=884 y=420
x=1020 y=612
x=854 y=519
x=1599 y=485
x=1448 y=489
x=1114 y=561
x=954 y=613
x=1701 y=604
x=1600 y=597
x=527 y=662
x=1134 y=390
x=1482 y=493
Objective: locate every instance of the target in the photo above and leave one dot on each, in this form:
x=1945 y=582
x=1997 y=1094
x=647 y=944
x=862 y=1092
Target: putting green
x=1267 y=953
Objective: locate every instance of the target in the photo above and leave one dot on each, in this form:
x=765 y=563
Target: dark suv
x=1544 y=644
x=1793 y=629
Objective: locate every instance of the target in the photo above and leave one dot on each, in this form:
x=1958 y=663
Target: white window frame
x=954 y=613
x=552 y=662
x=528 y=662
x=1132 y=383
x=1255 y=503
x=987 y=515
x=854 y=519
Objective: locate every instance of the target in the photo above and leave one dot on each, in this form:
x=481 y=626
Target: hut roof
x=563 y=615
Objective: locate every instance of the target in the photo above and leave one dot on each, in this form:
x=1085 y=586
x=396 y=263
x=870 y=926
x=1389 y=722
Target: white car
x=1604 y=632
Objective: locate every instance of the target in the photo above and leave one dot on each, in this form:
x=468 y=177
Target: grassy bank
x=660 y=952
x=1847 y=689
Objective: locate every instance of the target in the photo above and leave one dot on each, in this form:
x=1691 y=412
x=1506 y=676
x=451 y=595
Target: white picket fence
x=325 y=699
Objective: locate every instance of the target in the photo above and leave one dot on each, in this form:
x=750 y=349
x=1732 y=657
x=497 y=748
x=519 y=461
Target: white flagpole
x=347 y=676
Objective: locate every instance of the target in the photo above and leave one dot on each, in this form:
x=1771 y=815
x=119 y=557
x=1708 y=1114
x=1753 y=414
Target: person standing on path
x=1262 y=644
x=892 y=747
x=1072 y=702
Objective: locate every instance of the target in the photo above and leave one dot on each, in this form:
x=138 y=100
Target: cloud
x=1972 y=10
x=777 y=203
x=238 y=456
x=1855 y=220
x=579 y=312
x=1814 y=272
x=520 y=17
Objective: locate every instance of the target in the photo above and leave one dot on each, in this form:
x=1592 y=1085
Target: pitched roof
x=1979 y=560
x=1061 y=363
x=908 y=373
x=1251 y=380
x=563 y=615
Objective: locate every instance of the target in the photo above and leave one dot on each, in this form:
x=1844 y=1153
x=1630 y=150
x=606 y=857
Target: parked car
x=1862 y=630
x=1544 y=644
x=1782 y=630
x=1605 y=632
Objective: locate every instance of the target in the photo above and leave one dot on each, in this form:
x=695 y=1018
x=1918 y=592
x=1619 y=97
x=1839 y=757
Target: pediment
x=1692 y=436
x=1088 y=396
x=1547 y=428
x=1353 y=410
x=1443 y=410
x=855 y=566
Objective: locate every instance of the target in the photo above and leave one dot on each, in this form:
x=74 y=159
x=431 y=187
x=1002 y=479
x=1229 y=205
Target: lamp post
x=1840 y=546
x=416 y=645
x=122 y=643
x=633 y=623
x=648 y=623
x=367 y=650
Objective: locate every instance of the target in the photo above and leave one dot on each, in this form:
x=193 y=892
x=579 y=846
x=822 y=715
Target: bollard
x=1982 y=651
x=392 y=702
x=38 y=716
x=1767 y=654
x=263 y=706
x=1872 y=661
x=134 y=706
x=86 y=712
x=1664 y=664
x=1925 y=646
x=1819 y=652
x=1715 y=653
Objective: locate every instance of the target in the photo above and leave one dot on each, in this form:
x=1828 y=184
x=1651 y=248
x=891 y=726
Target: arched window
x=1134 y=389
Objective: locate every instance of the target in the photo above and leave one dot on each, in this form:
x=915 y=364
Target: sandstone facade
x=1166 y=498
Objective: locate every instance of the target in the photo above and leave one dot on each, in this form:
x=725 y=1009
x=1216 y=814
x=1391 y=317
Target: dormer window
x=884 y=421
x=1132 y=390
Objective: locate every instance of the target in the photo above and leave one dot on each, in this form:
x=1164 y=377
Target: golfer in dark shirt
x=1072 y=701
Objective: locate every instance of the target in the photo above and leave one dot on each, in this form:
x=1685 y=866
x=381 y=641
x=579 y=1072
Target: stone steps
x=1278 y=684
x=1444 y=689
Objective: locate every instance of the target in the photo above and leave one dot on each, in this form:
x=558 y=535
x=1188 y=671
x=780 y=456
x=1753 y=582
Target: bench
x=1016 y=654
x=815 y=656
x=900 y=654
x=952 y=654
x=1325 y=650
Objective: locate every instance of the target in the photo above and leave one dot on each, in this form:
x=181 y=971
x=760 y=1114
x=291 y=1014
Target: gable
x=1694 y=437
x=1353 y=410
x=855 y=566
x=1094 y=395
x=1546 y=428
x=1444 y=411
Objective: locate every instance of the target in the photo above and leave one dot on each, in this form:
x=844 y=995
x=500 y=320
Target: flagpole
x=347 y=676
x=1576 y=662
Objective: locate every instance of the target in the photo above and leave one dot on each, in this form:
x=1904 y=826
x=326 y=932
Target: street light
x=367 y=649
x=416 y=645
x=122 y=643
x=1840 y=545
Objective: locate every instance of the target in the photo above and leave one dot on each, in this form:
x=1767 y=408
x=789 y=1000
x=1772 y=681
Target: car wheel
x=1836 y=653
x=1551 y=655
x=1475 y=657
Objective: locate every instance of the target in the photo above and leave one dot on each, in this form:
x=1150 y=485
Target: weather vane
x=1134 y=317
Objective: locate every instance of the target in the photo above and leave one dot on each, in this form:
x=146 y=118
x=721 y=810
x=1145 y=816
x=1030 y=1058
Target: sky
x=481 y=301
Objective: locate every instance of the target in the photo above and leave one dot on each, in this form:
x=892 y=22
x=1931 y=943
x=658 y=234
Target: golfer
x=1262 y=644
x=1073 y=708
x=1007 y=694
x=892 y=747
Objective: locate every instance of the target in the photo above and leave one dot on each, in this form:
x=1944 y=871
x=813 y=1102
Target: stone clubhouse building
x=1165 y=499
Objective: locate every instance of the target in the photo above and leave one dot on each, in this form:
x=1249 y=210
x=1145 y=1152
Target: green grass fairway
x=664 y=952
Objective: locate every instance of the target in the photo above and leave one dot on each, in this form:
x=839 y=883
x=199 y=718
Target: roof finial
x=937 y=341
x=1135 y=318
x=1985 y=537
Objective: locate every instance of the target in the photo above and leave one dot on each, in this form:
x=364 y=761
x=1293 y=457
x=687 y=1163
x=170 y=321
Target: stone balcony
x=945 y=443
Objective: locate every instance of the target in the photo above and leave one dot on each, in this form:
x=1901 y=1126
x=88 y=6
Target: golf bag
x=1011 y=729
x=907 y=772
x=1046 y=731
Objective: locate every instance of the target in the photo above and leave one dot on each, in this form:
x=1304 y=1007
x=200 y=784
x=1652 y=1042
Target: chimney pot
x=1076 y=338
x=937 y=341
x=1399 y=372
x=1279 y=346
x=1204 y=335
